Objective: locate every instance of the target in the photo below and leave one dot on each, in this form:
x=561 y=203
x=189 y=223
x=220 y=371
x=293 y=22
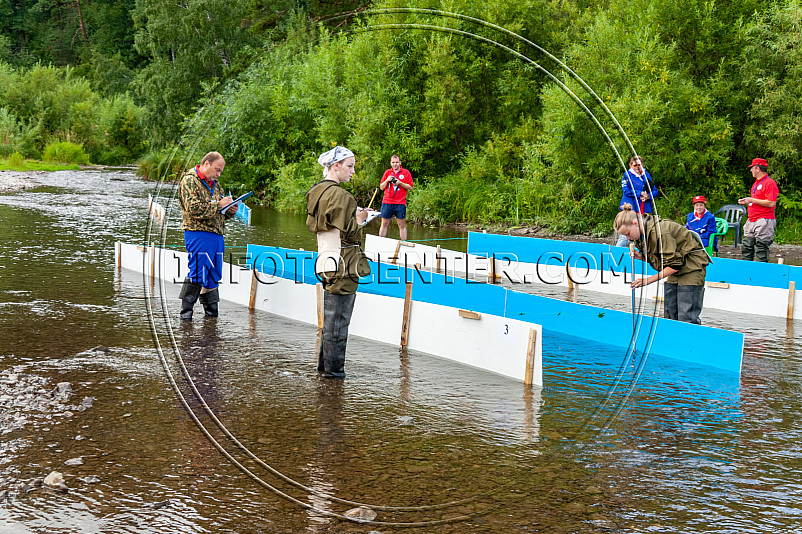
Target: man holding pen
x=202 y=200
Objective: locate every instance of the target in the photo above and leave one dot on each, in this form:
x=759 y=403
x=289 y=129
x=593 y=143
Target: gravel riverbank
x=11 y=181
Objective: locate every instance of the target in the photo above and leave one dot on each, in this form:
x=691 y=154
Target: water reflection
x=327 y=460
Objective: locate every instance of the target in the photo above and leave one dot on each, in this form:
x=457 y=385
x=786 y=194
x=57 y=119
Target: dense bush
x=45 y=104
x=161 y=165
x=65 y=152
x=15 y=159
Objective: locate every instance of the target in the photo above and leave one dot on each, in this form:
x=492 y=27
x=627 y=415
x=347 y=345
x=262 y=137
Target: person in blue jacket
x=702 y=221
x=638 y=190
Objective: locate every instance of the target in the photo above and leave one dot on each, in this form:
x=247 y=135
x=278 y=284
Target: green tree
x=190 y=46
x=429 y=95
x=672 y=122
x=67 y=33
x=772 y=79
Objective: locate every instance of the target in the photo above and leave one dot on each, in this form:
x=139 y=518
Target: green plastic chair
x=721 y=230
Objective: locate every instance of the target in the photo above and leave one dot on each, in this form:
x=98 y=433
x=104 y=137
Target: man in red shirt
x=759 y=229
x=395 y=184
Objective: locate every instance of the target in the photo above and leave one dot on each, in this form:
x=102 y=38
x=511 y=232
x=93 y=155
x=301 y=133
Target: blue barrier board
x=712 y=346
x=616 y=259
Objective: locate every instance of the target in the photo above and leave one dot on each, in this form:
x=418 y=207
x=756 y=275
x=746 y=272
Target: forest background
x=488 y=129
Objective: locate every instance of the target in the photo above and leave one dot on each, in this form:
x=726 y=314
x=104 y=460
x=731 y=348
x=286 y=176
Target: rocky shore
x=29 y=401
x=11 y=181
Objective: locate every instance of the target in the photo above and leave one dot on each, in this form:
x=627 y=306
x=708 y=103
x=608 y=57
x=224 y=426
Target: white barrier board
x=488 y=342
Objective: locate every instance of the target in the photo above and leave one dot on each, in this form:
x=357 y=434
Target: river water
x=429 y=445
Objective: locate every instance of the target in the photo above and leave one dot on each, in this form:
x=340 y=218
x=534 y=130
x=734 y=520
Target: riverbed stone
x=74 y=461
x=55 y=480
x=31 y=401
x=361 y=513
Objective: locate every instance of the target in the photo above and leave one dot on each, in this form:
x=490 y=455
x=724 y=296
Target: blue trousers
x=206 y=252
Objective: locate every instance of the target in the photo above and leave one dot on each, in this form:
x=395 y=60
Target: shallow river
x=429 y=445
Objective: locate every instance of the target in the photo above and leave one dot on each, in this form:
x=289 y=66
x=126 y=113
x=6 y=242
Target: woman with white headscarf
x=332 y=215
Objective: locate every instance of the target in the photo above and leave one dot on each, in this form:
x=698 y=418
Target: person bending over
x=676 y=254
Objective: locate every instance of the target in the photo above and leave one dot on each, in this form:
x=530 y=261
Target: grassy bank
x=25 y=165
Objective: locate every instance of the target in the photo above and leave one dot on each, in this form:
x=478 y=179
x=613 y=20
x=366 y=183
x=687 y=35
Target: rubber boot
x=337 y=310
x=188 y=295
x=209 y=301
x=689 y=303
x=762 y=250
x=748 y=248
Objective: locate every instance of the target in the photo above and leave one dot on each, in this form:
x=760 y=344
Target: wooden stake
x=405 y=320
x=398 y=247
x=254 y=287
x=119 y=246
x=791 y=294
x=152 y=263
x=319 y=288
x=493 y=268
x=568 y=275
x=531 y=352
x=437 y=260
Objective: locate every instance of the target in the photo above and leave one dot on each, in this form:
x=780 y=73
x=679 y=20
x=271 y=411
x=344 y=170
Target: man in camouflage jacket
x=201 y=200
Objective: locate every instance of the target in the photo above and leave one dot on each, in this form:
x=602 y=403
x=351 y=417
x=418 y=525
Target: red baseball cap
x=758 y=161
x=699 y=198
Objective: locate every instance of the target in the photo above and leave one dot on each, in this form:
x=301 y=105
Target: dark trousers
x=337 y=310
x=683 y=303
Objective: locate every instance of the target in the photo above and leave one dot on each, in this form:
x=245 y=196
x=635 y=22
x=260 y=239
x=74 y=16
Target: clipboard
x=372 y=214
x=237 y=200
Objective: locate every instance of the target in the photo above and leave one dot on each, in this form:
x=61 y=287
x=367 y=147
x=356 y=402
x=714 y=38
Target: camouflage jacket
x=199 y=206
x=673 y=245
x=330 y=206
